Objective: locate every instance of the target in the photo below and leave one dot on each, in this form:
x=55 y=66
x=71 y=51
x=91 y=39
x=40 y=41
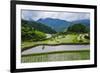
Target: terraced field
x=46 y=54
x=61 y=39
x=57 y=56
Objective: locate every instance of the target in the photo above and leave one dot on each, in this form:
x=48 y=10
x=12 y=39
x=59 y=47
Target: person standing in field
x=43 y=47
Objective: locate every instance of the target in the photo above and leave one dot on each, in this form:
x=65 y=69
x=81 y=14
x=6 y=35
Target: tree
x=78 y=28
x=30 y=34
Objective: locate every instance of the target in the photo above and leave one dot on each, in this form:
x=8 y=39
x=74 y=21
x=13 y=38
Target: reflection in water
x=45 y=48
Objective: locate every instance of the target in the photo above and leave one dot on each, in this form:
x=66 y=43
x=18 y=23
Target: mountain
x=51 y=25
x=37 y=26
x=86 y=22
x=56 y=24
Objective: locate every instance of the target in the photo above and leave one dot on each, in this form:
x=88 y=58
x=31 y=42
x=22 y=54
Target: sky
x=68 y=16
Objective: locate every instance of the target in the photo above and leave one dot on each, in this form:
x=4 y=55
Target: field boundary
x=54 y=45
x=55 y=52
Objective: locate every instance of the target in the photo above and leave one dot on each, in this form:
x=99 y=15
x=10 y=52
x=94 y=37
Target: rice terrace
x=54 y=36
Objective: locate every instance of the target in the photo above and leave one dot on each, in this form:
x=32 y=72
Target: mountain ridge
x=37 y=26
x=57 y=24
x=61 y=25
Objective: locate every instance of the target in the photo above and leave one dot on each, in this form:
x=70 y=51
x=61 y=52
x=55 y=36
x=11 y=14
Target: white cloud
x=68 y=16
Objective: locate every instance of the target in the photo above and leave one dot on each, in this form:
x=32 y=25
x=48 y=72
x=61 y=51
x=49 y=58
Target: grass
x=57 y=56
x=69 y=38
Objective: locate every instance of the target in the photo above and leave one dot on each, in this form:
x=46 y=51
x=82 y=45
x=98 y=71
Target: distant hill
x=38 y=26
x=60 y=25
x=56 y=24
x=51 y=25
x=85 y=22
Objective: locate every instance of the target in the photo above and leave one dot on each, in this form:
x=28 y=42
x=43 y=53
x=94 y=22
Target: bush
x=80 y=40
x=87 y=37
x=29 y=34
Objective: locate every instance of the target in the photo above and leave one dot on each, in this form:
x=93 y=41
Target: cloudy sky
x=68 y=16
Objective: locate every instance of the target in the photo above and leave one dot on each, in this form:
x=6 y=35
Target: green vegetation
x=57 y=56
x=34 y=33
x=62 y=39
x=28 y=34
x=78 y=28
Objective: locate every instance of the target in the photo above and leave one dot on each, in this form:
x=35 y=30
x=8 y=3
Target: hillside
x=38 y=26
x=57 y=24
x=86 y=22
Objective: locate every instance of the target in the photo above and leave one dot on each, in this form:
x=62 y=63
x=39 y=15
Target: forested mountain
x=38 y=26
x=56 y=24
x=86 y=22
x=37 y=31
x=60 y=25
x=78 y=28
